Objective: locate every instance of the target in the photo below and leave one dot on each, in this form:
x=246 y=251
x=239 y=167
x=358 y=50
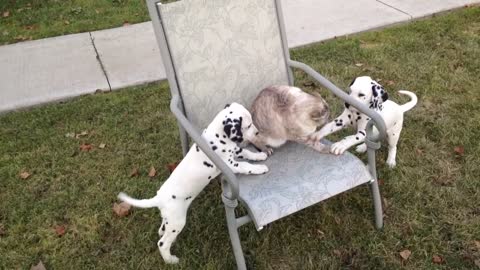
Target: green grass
x=431 y=197
x=35 y=19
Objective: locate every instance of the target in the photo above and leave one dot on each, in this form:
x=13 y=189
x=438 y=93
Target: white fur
x=362 y=89
x=192 y=174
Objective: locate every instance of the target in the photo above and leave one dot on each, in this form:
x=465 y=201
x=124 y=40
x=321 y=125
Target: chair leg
x=234 y=237
x=377 y=204
x=377 y=201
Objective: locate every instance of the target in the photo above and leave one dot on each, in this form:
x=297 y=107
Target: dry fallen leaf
x=380 y=182
x=437 y=259
x=97 y=11
x=459 y=150
x=24 y=175
x=39 y=266
x=419 y=151
x=121 y=209
x=81 y=134
x=126 y=23
x=86 y=147
x=102 y=145
x=134 y=172
x=59 y=230
x=171 y=166
x=405 y=254
x=358 y=64
x=390 y=82
x=66 y=22
x=477 y=244
x=2 y=229
x=6 y=14
x=152 y=172
x=337 y=252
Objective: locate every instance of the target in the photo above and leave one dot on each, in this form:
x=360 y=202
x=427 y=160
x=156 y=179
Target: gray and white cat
x=286 y=113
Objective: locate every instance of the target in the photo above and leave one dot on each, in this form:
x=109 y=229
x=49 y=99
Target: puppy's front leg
x=247 y=154
x=342 y=121
x=339 y=147
x=247 y=168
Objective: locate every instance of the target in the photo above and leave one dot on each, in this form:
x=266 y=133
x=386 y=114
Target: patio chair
x=220 y=51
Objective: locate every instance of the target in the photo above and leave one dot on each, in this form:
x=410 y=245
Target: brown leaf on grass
x=459 y=150
x=476 y=243
x=171 y=166
x=2 y=230
x=70 y=135
x=152 y=172
x=6 y=14
x=359 y=64
x=102 y=145
x=24 y=175
x=30 y=27
x=66 y=22
x=438 y=259
x=81 y=134
x=134 y=172
x=121 y=209
x=97 y=11
x=126 y=23
x=419 y=151
x=337 y=252
x=390 y=82
x=405 y=254
x=380 y=182
x=39 y=266
x=86 y=147
x=60 y=230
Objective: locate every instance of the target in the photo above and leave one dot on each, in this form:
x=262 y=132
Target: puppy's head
x=368 y=91
x=237 y=123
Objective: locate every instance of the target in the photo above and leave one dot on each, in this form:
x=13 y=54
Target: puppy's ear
x=379 y=95
x=233 y=128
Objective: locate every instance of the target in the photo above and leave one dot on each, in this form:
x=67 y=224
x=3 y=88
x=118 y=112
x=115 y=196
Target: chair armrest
x=197 y=138
x=377 y=119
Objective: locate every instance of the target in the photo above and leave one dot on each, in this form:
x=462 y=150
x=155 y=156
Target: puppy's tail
x=145 y=203
x=409 y=105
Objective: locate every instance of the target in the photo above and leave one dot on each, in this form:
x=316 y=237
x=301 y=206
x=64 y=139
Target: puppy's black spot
x=210 y=177
x=211 y=142
x=174 y=197
x=249 y=171
x=347 y=105
x=358 y=113
x=163 y=227
x=223 y=150
x=222 y=142
x=349 y=116
x=224 y=136
x=361 y=132
x=374 y=90
x=358 y=118
x=207 y=164
x=188 y=198
x=356 y=138
x=231 y=112
x=239 y=151
x=216 y=135
x=339 y=124
x=173 y=231
x=384 y=96
x=235 y=165
x=161 y=244
x=227 y=105
x=351 y=122
x=214 y=148
x=352 y=82
x=256 y=133
x=196 y=146
x=240 y=156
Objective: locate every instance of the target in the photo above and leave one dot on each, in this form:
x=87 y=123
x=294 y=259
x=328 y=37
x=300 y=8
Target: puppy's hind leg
x=173 y=227
x=161 y=230
x=392 y=139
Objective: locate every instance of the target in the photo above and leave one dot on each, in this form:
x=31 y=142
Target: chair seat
x=298 y=177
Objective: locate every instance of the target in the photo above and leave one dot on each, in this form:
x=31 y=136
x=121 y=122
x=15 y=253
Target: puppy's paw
x=261 y=156
x=391 y=163
x=172 y=259
x=361 y=148
x=338 y=148
x=259 y=169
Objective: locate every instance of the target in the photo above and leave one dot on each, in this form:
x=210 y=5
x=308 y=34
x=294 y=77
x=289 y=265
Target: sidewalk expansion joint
x=397 y=9
x=97 y=55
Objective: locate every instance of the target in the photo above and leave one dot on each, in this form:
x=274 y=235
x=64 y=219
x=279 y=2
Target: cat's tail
x=409 y=105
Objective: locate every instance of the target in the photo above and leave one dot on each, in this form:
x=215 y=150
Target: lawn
x=34 y=19
x=61 y=214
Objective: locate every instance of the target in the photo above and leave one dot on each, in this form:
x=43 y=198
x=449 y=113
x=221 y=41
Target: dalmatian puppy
x=372 y=94
x=196 y=170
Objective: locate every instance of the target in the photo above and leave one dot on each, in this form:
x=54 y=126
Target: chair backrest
x=220 y=51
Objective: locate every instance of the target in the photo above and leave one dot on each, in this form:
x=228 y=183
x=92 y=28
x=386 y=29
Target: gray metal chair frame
x=230 y=183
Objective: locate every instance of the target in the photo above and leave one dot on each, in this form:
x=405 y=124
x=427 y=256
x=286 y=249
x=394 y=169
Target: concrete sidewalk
x=36 y=72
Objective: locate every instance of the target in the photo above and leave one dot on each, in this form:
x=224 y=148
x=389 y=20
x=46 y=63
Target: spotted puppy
x=372 y=94
x=196 y=170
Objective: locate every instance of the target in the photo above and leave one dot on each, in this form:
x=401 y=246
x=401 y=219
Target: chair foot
x=234 y=236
